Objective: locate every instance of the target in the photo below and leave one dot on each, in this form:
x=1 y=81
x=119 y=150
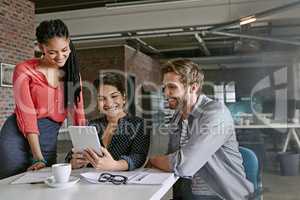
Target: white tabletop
x=83 y=190
x=272 y=125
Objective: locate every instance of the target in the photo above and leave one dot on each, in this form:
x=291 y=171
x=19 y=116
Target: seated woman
x=125 y=143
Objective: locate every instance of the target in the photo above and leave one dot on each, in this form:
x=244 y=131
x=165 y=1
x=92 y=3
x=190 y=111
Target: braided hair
x=57 y=28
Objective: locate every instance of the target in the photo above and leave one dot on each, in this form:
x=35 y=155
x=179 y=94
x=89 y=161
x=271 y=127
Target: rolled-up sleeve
x=139 y=149
x=25 y=109
x=208 y=133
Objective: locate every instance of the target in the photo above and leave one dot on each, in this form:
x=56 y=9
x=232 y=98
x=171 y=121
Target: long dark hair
x=57 y=28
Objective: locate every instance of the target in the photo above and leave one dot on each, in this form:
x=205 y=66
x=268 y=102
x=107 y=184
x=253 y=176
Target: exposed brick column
x=16 y=42
x=124 y=58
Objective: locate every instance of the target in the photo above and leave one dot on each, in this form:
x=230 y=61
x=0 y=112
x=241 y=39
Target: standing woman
x=45 y=90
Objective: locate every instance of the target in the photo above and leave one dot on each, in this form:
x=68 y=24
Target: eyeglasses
x=115 y=179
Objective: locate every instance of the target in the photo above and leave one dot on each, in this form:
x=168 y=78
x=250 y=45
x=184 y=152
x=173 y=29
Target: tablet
x=83 y=137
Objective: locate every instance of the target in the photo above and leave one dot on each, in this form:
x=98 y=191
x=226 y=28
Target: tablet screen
x=83 y=137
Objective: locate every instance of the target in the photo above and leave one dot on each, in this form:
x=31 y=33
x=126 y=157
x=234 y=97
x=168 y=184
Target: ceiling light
x=247 y=20
x=96 y=36
x=201 y=28
x=159 y=31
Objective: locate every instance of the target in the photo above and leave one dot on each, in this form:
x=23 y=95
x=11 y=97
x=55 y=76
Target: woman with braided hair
x=45 y=89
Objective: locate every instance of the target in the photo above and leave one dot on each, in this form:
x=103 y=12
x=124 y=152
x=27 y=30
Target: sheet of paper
x=149 y=178
x=32 y=177
x=139 y=177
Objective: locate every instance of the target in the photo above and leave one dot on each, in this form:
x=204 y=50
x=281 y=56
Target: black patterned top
x=130 y=142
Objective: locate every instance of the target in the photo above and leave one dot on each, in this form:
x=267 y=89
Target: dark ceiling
x=46 y=6
x=226 y=39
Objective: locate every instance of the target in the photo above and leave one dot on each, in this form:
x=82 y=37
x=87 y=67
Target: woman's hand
x=33 y=141
x=101 y=162
x=36 y=166
x=78 y=160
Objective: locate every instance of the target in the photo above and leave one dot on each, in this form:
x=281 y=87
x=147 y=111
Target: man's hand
x=160 y=162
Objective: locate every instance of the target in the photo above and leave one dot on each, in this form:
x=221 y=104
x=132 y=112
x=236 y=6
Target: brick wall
x=91 y=62
x=144 y=67
x=16 y=42
x=146 y=72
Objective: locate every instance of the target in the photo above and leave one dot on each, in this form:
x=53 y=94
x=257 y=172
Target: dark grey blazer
x=212 y=150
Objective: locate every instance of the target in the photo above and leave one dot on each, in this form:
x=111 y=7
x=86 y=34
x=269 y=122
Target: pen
x=142 y=177
x=40 y=182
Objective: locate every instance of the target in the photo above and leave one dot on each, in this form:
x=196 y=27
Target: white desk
x=290 y=126
x=83 y=190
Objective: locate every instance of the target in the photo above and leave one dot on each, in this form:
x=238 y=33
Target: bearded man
x=203 y=150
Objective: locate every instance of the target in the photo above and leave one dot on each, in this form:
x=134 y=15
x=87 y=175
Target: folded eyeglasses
x=115 y=179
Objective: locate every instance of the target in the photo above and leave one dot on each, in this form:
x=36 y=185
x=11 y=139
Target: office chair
x=250 y=163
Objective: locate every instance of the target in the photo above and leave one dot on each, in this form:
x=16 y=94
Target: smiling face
x=110 y=100
x=56 y=51
x=174 y=90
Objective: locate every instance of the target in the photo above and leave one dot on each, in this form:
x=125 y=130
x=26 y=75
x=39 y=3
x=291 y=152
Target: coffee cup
x=61 y=172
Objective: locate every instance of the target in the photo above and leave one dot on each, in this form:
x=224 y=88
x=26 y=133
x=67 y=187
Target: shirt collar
x=195 y=110
x=121 y=120
x=197 y=105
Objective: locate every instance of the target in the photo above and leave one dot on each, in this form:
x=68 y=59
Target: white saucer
x=50 y=181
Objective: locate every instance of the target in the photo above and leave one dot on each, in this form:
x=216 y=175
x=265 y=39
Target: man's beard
x=175 y=103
